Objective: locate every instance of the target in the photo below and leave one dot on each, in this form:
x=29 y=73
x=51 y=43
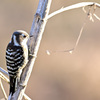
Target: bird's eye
x=24 y=36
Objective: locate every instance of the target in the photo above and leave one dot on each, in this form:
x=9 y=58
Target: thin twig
x=4 y=77
x=78 y=5
x=4 y=71
x=89 y=14
x=77 y=41
x=26 y=97
x=5 y=95
x=96 y=17
x=70 y=50
x=79 y=36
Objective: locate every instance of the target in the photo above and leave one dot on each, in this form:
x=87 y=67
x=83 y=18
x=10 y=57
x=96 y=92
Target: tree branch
x=36 y=32
x=78 y=5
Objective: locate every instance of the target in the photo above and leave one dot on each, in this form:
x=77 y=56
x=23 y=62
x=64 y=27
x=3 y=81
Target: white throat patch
x=15 y=42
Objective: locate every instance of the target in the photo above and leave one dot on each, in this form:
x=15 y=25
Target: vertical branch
x=36 y=33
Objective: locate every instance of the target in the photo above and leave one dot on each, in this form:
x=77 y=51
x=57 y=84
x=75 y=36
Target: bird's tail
x=13 y=85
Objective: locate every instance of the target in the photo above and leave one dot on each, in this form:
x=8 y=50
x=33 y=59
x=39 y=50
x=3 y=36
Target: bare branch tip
x=98 y=18
x=48 y=52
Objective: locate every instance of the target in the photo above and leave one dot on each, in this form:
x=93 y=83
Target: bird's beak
x=31 y=35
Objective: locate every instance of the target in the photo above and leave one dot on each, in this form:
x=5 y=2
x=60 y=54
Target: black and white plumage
x=16 y=57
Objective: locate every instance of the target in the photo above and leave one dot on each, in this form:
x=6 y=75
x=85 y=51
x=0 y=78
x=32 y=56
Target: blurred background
x=60 y=76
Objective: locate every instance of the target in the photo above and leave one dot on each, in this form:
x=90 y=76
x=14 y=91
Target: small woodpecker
x=16 y=57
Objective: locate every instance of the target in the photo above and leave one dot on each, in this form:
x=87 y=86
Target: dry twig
x=5 y=95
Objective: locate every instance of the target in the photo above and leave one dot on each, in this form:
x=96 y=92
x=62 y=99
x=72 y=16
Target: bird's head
x=19 y=37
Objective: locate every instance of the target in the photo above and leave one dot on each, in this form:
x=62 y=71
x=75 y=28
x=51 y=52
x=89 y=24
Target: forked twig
x=70 y=50
x=89 y=13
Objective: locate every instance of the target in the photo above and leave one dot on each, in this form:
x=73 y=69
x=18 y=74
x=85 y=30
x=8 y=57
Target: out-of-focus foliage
x=60 y=76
